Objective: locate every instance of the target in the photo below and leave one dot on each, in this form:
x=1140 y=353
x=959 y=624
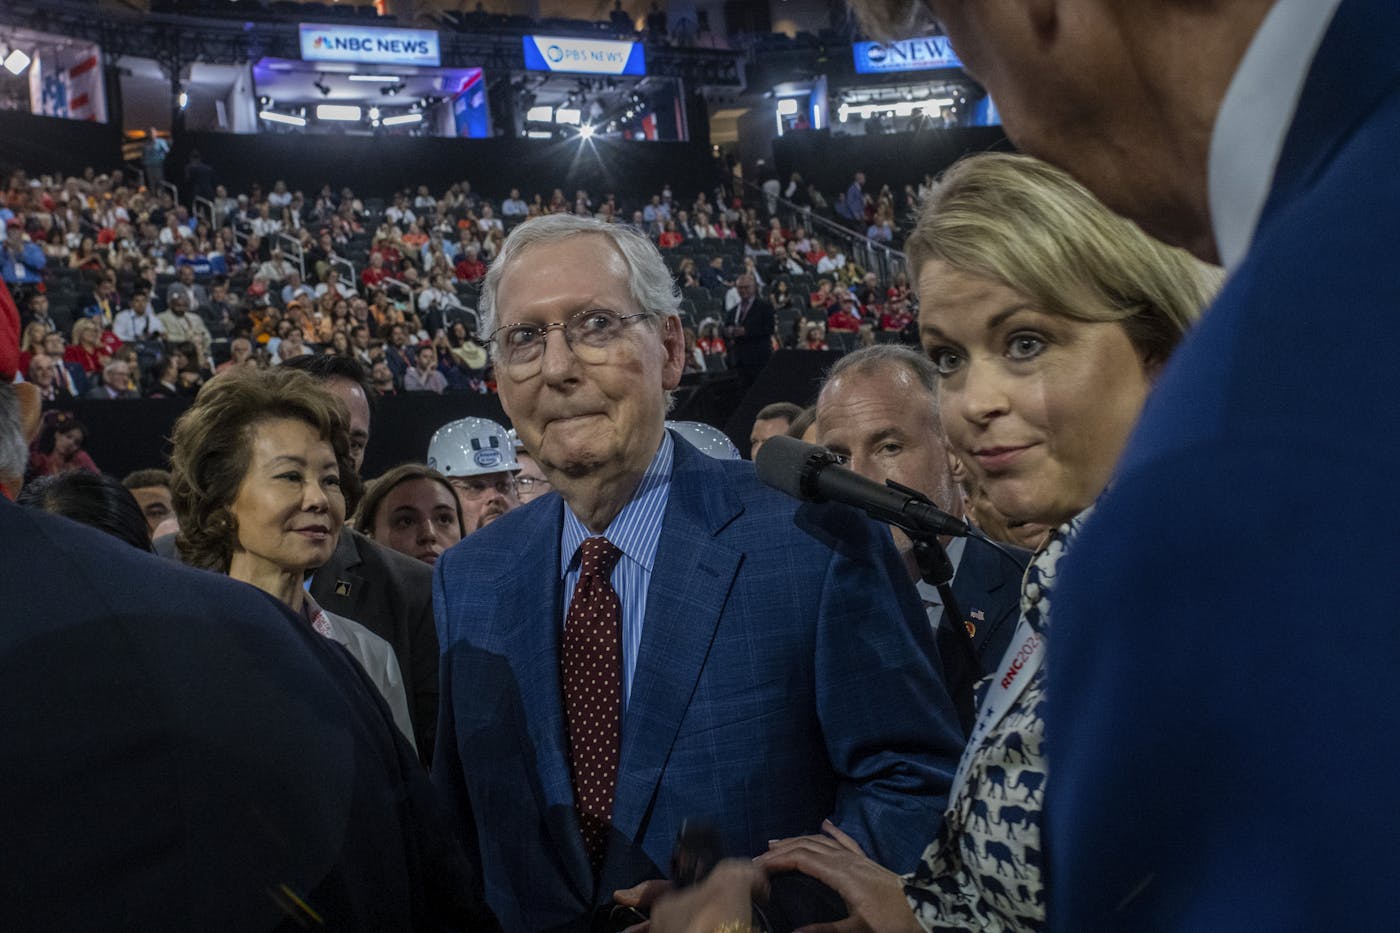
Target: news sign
x=584 y=56
x=372 y=46
x=922 y=54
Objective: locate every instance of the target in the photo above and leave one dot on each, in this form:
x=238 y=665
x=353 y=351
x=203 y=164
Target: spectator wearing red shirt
x=814 y=338
x=846 y=318
x=710 y=340
x=897 y=315
x=670 y=236
x=823 y=297
x=469 y=266
x=374 y=273
x=91 y=345
x=59 y=446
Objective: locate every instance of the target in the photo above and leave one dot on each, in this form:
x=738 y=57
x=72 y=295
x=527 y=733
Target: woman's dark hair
x=94 y=499
x=379 y=490
x=56 y=423
x=212 y=449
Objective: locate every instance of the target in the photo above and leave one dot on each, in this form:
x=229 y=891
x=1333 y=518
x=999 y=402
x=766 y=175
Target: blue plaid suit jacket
x=786 y=674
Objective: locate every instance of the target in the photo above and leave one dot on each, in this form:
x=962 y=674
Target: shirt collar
x=635 y=529
x=1254 y=118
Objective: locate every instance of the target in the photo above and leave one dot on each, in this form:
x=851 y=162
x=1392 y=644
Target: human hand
x=638 y=900
x=874 y=895
x=725 y=896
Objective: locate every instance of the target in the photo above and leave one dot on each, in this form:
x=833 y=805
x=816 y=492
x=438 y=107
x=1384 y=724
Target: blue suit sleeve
x=891 y=732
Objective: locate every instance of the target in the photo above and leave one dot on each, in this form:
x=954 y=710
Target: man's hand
x=874 y=895
x=726 y=896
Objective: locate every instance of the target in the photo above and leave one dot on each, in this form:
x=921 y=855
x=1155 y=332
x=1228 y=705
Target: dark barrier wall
x=47 y=144
x=790 y=376
x=896 y=159
x=378 y=167
x=130 y=435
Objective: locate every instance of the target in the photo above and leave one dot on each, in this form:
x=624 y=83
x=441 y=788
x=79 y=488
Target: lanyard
x=1018 y=666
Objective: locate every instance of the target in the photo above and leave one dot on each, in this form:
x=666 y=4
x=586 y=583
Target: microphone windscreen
x=782 y=463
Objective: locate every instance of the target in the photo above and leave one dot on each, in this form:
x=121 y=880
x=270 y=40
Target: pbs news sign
x=584 y=56
x=369 y=45
x=923 y=54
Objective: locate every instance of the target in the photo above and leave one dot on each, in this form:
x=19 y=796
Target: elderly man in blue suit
x=663 y=639
x=1223 y=699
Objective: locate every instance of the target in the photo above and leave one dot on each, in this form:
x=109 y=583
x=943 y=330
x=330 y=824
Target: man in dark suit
x=878 y=410
x=391 y=595
x=749 y=329
x=663 y=638
x=116 y=382
x=1222 y=702
x=46 y=375
x=181 y=753
x=72 y=376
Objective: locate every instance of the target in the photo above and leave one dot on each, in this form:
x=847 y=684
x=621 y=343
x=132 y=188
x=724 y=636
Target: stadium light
x=339 y=112
x=541 y=114
x=403 y=118
x=569 y=115
x=16 y=62
x=272 y=116
x=376 y=79
x=586 y=131
x=183 y=100
x=788 y=106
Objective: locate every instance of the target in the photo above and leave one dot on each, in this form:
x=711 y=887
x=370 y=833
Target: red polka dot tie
x=591 y=668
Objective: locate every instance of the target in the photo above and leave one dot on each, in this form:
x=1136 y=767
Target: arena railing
x=871 y=255
x=296 y=251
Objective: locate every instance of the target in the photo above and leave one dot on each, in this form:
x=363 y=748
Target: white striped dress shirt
x=636 y=531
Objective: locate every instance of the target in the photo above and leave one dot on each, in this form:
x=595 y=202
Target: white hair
x=648 y=279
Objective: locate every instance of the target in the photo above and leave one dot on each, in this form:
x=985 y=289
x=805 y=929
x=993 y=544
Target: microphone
x=812 y=473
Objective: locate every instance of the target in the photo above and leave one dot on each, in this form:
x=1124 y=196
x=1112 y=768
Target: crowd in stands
x=126 y=293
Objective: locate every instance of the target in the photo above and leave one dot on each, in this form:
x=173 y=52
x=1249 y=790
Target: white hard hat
x=471 y=447
x=707 y=439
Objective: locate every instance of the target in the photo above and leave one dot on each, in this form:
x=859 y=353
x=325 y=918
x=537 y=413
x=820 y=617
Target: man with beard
x=477 y=456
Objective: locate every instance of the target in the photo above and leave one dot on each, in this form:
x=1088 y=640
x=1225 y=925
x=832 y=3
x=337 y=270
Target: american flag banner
x=68 y=85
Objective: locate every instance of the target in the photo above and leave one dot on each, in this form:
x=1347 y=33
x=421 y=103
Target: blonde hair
x=80 y=326
x=1031 y=227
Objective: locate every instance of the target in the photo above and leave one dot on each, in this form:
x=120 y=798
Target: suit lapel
x=986 y=582
x=342 y=590
x=690 y=585
x=532 y=641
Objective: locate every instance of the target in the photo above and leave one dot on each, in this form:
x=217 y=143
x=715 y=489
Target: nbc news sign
x=369 y=45
x=922 y=54
x=584 y=56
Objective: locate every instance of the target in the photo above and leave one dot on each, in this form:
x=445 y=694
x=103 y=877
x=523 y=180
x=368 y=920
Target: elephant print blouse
x=983 y=872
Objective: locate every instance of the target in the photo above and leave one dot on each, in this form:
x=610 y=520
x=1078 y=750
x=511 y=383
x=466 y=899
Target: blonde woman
x=1048 y=318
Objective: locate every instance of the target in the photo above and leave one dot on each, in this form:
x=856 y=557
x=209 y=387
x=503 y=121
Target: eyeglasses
x=587 y=333
x=530 y=484
x=476 y=487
